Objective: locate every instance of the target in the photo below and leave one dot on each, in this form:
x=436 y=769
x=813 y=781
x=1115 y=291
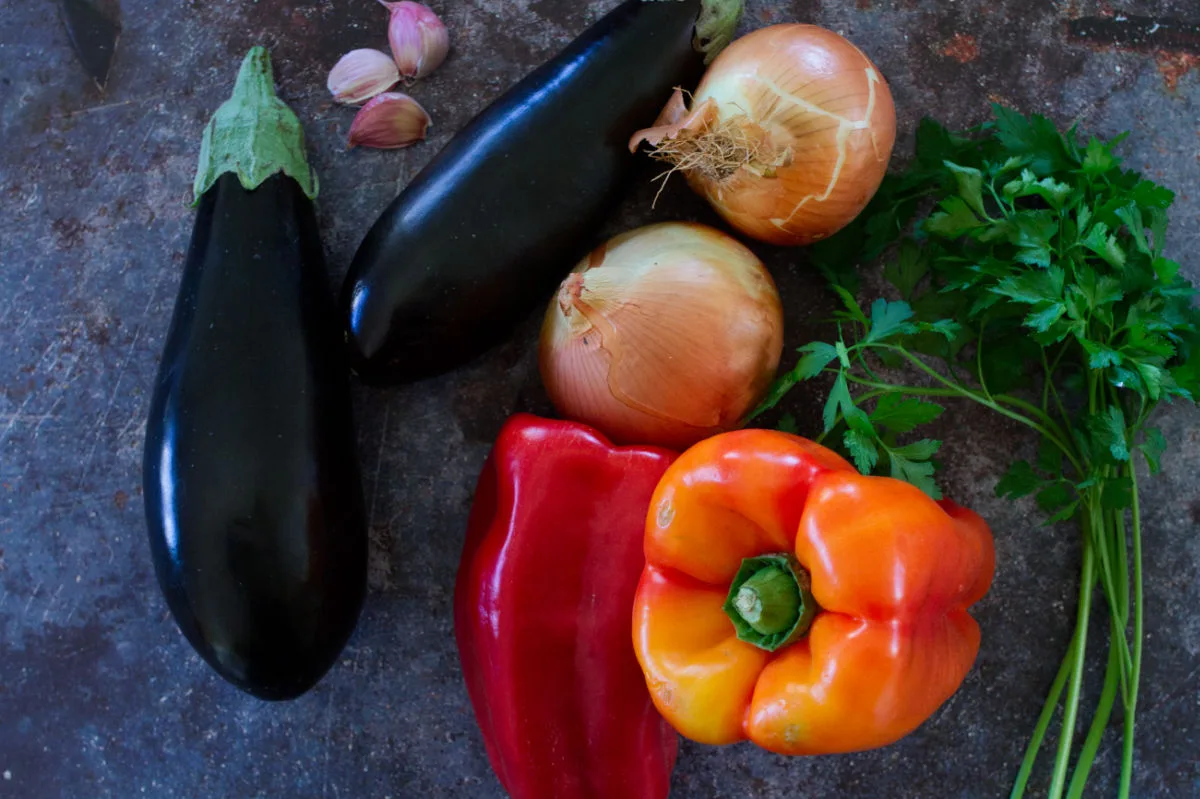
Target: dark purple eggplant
x=484 y=233
x=252 y=489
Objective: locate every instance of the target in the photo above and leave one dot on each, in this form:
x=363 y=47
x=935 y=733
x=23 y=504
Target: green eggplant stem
x=716 y=26
x=254 y=134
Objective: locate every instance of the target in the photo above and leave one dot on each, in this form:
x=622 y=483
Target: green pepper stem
x=770 y=601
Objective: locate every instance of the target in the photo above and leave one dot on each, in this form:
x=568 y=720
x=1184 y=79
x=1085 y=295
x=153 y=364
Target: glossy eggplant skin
x=487 y=230
x=252 y=488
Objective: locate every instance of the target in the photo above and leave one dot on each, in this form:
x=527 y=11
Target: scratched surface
x=99 y=694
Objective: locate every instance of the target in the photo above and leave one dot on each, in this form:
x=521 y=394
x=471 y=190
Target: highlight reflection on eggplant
x=252 y=489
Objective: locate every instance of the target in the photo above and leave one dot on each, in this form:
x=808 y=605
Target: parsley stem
x=1071 y=709
x=992 y=188
x=1047 y=427
x=1117 y=529
x=1102 y=541
x=862 y=361
x=1108 y=695
x=1105 y=542
x=1043 y=723
x=1131 y=702
x=1116 y=526
x=1120 y=546
x=979 y=360
x=1048 y=385
x=1053 y=389
x=889 y=388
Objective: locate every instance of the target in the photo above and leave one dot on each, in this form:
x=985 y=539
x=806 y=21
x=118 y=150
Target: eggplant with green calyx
x=487 y=230
x=252 y=489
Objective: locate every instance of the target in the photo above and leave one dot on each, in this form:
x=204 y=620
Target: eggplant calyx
x=716 y=26
x=254 y=134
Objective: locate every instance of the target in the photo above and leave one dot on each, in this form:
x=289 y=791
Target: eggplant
x=487 y=230
x=252 y=489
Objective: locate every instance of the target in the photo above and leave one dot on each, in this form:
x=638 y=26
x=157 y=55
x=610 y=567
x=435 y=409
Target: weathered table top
x=99 y=694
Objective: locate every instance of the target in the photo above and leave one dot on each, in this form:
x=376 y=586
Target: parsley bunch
x=1031 y=280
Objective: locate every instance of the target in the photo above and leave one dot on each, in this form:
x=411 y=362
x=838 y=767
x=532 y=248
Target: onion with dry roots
x=788 y=136
x=665 y=335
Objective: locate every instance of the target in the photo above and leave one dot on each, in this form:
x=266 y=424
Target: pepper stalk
x=770 y=601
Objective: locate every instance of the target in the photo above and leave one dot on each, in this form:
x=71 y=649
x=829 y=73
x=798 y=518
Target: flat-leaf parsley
x=1036 y=286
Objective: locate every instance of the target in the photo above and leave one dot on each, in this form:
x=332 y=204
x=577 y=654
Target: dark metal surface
x=93 y=34
x=99 y=694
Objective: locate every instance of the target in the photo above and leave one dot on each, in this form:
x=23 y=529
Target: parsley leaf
x=907 y=269
x=1032 y=232
x=921 y=450
x=1101 y=356
x=903 y=414
x=1049 y=457
x=1149 y=194
x=1152 y=449
x=1099 y=158
x=839 y=402
x=888 y=319
x=1055 y=498
x=862 y=450
x=1019 y=481
x=1055 y=193
x=955 y=219
x=970 y=185
x=1108 y=433
x=1063 y=513
x=853 y=310
x=1034 y=286
x=817 y=355
x=1117 y=493
x=1034 y=137
x=1104 y=244
x=919 y=474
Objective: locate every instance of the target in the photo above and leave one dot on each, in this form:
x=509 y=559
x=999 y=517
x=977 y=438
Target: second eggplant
x=484 y=233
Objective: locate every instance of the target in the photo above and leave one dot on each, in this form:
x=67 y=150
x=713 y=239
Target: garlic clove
x=418 y=38
x=389 y=121
x=360 y=75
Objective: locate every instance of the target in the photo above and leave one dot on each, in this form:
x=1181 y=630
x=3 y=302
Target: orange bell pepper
x=789 y=600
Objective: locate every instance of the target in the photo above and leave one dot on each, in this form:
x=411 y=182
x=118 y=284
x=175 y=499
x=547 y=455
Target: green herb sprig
x=1036 y=287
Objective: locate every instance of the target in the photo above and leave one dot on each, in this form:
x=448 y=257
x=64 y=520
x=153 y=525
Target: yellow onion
x=788 y=136
x=664 y=335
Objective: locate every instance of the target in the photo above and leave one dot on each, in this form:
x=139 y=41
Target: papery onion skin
x=664 y=335
x=825 y=113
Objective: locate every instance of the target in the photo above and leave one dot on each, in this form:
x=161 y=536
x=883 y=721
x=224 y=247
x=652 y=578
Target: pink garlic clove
x=360 y=75
x=418 y=38
x=389 y=121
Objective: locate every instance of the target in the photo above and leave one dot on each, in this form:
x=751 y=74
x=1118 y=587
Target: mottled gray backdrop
x=99 y=694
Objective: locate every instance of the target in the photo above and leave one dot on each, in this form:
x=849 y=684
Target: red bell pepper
x=543 y=615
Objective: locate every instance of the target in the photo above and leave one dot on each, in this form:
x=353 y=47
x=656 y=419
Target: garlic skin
x=665 y=335
x=360 y=75
x=418 y=38
x=389 y=121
